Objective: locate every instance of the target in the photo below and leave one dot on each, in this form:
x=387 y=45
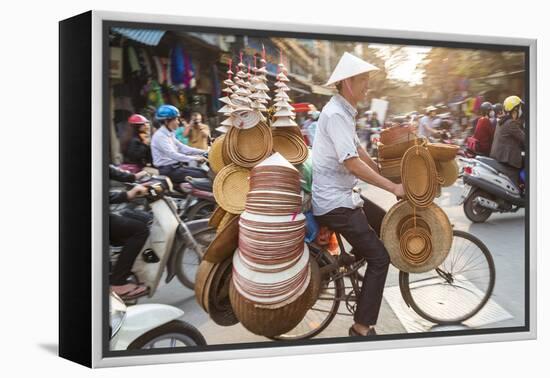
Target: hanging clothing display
x=177 y=59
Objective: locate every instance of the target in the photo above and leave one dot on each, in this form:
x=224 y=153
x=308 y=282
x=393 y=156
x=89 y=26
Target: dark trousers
x=354 y=226
x=511 y=172
x=132 y=234
x=178 y=173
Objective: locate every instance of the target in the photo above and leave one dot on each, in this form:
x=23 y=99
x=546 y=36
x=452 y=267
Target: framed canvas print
x=233 y=188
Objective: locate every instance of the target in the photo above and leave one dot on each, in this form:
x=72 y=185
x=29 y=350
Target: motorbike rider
x=170 y=156
x=137 y=150
x=509 y=138
x=426 y=123
x=498 y=113
x=484 y=130
x=128 y=231
x=339 y=160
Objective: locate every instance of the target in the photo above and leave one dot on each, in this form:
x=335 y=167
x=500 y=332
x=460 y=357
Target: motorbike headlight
x=117 y=312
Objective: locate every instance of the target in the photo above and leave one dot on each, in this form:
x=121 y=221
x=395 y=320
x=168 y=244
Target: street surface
x=503 y=234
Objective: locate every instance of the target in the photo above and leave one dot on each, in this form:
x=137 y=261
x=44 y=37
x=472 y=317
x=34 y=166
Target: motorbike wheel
x=174 y=334
x=474 y=212
x=187 y=260
x=201 y=210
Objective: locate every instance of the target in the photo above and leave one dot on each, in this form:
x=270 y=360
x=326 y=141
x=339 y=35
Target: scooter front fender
x=141 y=319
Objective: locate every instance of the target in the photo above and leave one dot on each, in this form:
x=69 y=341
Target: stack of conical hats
x=284 y=112
x=258 y=86
x=287 y=137
x=228 y=106
x=258 y=261
x=272 y=284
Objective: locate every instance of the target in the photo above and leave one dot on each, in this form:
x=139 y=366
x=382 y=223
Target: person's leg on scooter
x=178 y=175
x=132 y=233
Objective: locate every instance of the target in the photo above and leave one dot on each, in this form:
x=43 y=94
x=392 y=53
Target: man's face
x=359 y=86
x=196 y=118
x=173 y=124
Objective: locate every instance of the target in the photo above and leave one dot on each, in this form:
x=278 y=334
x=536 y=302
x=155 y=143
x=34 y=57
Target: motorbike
x=488 y=190
x=374 y=139
x=173 y=245
x=195 y=200
x=149 y=326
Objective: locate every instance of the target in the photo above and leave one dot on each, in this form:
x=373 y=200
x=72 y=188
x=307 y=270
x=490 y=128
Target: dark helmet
x=485 y=108
x=498 y=108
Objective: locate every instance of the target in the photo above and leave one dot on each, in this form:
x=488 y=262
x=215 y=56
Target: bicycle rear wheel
x=325 y=309
x=456 y=290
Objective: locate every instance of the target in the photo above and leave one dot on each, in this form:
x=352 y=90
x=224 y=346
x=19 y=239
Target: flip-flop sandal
x=137 y=292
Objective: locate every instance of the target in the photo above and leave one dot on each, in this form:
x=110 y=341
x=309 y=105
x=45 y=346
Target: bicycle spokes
x=458 y=288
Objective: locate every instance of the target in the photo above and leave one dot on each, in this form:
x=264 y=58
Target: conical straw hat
x=349 y=66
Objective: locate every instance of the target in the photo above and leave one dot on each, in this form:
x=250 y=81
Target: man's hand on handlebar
x=137 y=191
x=200 y=159
x=141 y=175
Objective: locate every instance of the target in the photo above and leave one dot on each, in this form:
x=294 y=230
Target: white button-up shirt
x=167 y=150
x=335 y=141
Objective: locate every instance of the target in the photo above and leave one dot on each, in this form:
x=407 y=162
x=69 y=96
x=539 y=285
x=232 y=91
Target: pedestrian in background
x=199 y=133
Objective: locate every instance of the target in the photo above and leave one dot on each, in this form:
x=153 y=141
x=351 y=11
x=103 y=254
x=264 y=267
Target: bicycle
x=431 y=295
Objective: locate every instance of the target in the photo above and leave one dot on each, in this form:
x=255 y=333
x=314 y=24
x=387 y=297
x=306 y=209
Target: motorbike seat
x=492 y=163
x=203 y=184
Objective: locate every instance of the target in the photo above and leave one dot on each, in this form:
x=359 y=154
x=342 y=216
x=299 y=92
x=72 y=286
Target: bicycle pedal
x=348 y=259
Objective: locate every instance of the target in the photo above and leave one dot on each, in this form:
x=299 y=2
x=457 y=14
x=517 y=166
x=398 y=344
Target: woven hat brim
x=419 y=176
x=231 y=187
x=224 y=244
x=448 y=171
x=215 y=155
x=441 y=235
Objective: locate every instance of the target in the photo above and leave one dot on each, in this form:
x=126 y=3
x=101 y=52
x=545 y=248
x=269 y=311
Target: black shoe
x=354 y=333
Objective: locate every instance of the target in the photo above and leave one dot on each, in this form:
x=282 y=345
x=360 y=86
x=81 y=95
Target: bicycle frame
x=340 y=268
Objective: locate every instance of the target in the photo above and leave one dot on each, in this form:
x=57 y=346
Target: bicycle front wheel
x=456 y=290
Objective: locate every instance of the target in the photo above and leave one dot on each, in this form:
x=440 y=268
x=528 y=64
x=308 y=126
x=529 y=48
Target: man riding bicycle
x=339 y=161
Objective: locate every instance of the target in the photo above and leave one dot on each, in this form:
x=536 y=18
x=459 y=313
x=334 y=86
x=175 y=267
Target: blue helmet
x=167 y=112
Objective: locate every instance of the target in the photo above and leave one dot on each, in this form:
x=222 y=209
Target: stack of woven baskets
x=395 y=141
x=416 y=232
x=257 y=269
x=272 y=283
x=393 y=144
x=247 y=142
x=445 y=162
